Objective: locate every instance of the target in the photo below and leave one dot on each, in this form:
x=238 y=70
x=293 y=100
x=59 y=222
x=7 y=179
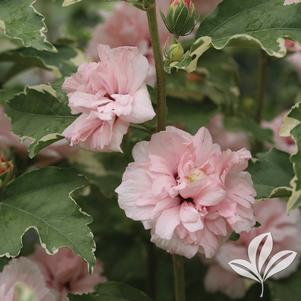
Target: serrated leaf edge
x=55 y=250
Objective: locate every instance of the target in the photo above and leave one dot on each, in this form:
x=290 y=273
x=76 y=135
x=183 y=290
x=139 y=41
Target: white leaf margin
x=280 y=53
x=247 y=37
x=43 y=30
x=70 y=2
x=288 y=124
x=53 y=251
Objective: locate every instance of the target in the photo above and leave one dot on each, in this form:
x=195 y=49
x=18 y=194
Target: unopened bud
x=6 y=171
x=175 y=52
x=181 y=17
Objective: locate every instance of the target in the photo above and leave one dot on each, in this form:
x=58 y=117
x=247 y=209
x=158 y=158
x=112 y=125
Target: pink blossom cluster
x=49 y=277
x=285 y=229
x=108 y=95
x=189 y=192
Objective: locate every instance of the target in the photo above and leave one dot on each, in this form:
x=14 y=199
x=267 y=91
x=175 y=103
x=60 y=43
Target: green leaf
x=9 y=93
x=20 y=21
x=24 y=58
x=270 y=172
x=265 y=23
x=230 y=24
x=38 y=116
x=42 y=200
x=113 y=291
x=286 y=289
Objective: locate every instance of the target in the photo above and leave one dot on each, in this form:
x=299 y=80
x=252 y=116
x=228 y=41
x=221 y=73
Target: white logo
x=258 y=268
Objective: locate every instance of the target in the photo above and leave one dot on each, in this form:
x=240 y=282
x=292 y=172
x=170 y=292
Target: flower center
x=187 y=200
x=196 y=175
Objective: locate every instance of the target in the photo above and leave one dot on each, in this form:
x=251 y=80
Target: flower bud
x=175 y=52
x=181 y=17
x=248 y=104
x=6 y=171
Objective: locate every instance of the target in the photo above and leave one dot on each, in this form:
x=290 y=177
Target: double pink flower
x=108 y=95
x=187 y=191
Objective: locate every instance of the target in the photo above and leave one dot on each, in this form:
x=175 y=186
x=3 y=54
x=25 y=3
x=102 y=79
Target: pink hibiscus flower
x=128 y=26
x=24 y=272
x=285 y=229
x=67 y=273
x=225 y=138
x=109 y=95
x=187 y=191
x=286 y=144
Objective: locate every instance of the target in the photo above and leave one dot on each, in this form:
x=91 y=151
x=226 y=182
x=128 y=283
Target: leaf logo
x=259 y=268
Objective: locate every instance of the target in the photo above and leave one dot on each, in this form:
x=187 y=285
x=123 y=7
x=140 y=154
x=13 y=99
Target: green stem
x=262 y=82
x=179 y=277
x=150 y=6
x=160 y=74
x=152 y=270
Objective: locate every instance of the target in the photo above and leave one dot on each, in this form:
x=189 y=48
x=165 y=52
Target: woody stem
x=179 y=278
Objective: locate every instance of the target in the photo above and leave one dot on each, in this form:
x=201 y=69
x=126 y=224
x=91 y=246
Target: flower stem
x=160 y=74
x=262 y=81
x=152 y=270
x=178 y=266
x=150 y=6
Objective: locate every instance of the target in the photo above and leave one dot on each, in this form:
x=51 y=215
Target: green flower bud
x=181 y=17
x=175 y=52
